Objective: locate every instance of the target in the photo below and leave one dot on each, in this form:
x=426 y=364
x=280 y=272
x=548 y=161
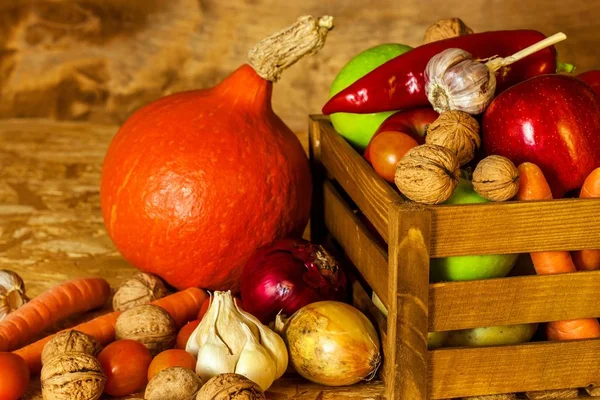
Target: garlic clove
x=271 y=341
x=255 y=363
x=229 y=324
x=12 y=292
x=214 y=356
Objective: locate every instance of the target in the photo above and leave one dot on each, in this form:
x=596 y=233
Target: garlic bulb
x=230 y=340
x=454 y=81
x=12 y=292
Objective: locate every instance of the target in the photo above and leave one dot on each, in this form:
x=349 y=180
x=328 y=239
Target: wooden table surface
x=51 y=227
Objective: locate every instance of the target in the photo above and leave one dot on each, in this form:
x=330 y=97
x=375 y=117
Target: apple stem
x=497 y=63
x=565 y=67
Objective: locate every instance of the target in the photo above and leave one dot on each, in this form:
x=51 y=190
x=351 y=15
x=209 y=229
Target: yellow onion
x=331 y=343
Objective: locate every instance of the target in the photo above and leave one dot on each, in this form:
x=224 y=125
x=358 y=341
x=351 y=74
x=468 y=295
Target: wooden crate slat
x=371 y=193
x=515 y=227
x=527 y=367
x=514 y=300
x=357 y=242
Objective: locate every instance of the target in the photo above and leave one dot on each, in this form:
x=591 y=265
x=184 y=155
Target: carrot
x=182 y=306
x=57 y=304
x=533 y=186
x=589 y=260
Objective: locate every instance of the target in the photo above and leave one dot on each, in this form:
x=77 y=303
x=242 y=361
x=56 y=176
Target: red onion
x=288 y=274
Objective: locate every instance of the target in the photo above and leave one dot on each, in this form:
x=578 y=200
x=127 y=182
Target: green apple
x=491 y=335
x=359 y=128
x=436 y=339
x=465 y=268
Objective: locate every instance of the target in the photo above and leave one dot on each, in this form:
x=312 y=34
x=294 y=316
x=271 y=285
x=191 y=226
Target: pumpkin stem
x=277 y=52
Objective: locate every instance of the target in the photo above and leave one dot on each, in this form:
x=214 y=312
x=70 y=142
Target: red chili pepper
x=399 y=83
x=592 y=78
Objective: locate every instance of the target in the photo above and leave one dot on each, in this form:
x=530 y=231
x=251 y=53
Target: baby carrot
x=589 y=260
x=533 y=186
x=182 y=306
x=57 y=304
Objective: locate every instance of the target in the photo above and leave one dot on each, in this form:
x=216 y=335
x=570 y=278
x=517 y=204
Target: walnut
x=141 y=288
x=496 y=178
x=445 y=29
x=230 y=386
x=457 y=131
x=174 y=383
x=428 y=174
x=70 y=341
x=148 y=324
x=72 y=376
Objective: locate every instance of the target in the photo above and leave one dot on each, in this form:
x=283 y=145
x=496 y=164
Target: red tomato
x=125 y=363
x=171 y=358
x=14 y=376
x=386 y=149
x=185 y=332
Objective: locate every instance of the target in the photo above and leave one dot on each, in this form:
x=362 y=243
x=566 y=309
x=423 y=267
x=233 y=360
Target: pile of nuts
x=429 y=173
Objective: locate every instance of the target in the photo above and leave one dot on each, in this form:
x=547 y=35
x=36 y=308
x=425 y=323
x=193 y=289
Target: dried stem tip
x=279 y=51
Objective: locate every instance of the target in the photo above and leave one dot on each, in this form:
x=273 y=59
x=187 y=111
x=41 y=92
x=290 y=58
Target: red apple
x=592 y=78
x=552 y=121
x=413 y=122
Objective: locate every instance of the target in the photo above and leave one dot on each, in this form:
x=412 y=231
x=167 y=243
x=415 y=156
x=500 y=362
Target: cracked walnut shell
x=141 y=288
x=70 y=341
x=72 y=376
x=428 y=174
x=148 y=324
x=496 y=178
x=230 y=387
x=174 y=383
x=457 y=131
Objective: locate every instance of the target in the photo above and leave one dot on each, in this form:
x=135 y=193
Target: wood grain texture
x=357 y=242
x=99 y=60
x=410 y=230
x=532 y=366
x=371 y=193
x=565 y=224
x=513 y=300
x=559 y=394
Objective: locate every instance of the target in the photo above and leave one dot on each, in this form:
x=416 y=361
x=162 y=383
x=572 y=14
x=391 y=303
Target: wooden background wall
x=99 y=60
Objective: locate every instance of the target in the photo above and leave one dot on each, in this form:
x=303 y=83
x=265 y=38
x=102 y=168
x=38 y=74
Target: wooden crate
x=397 y=270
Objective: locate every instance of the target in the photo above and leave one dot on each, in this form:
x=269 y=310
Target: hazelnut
x=445 y=29
x=70 y=341
x=148 y=324
x=230 y=386
x=428 y=174
x=456 y=131
x=496 y=178
x=141 y=288
x=72 y=376
x=174 y=383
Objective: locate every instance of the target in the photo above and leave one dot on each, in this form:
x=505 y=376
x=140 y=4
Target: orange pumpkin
x=194 y=182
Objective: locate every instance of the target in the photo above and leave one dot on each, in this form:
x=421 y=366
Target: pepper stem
x=277 y=52
x=498 y=63
x=565 y=67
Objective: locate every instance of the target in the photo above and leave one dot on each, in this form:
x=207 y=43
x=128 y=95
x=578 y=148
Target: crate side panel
x=519 y=368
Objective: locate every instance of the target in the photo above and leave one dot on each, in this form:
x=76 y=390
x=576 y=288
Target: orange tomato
x=171 y=358
x=387 y=149
x=14 y=376
x=125 y=363
x=185 y=332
